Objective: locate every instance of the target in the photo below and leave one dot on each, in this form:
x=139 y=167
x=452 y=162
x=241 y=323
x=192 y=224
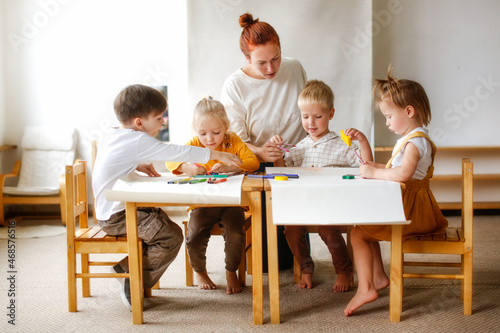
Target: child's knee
x=357 y=234
x=293 y=233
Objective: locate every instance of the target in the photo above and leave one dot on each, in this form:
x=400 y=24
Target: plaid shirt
x=329 y=151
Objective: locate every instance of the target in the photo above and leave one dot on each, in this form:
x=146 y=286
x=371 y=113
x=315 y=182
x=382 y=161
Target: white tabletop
x=320 y=196
x=140 y=188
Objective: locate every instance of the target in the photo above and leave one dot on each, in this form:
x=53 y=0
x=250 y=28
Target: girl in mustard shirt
x=211 y=125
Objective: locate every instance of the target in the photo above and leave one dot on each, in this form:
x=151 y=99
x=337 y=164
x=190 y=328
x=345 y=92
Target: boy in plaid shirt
x=321 y=148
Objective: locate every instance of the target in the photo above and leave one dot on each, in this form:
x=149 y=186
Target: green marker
x=199 y=180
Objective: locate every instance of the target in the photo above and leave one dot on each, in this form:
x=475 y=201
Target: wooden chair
x=86 y=239
x=45 y=153
x=456 y=240
x=93 y=154
x=314 y=229
x=216 y=230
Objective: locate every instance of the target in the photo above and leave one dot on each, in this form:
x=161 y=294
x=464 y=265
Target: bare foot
x=306 y=281
x=381 y=282
x=361 y=298
x=342 y=283
x=204 y=281
x=233 y=284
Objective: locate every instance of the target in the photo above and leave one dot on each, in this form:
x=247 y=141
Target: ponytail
x=403 y=93
x=255 y=33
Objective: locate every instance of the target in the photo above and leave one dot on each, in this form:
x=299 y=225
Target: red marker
x=220 y=180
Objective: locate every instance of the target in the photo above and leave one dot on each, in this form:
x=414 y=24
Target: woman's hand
x=277 y=139
x=148 y=169
x=270 y=151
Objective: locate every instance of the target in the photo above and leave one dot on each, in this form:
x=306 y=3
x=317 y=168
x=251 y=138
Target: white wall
x=315 y=32
x=65 y=61
x=72 y=57
x=451 y=47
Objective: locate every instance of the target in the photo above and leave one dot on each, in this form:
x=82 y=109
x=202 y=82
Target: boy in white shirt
x=139 y=109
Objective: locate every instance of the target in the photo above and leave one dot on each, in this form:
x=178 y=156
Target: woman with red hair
x=261 y=101
x=261 y=98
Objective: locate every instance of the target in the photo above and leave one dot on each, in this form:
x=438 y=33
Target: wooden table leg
x=257 y=272
x=273 y=265
x=134 y=264
x=396 y=285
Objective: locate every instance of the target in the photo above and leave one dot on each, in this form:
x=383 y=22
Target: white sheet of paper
x=139 y=188
x=320 y=196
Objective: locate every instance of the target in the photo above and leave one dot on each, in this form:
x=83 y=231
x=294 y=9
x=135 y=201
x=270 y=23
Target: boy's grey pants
x=162 y=239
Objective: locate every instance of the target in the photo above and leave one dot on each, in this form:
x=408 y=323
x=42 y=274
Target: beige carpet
x=428 y=305
x=32 y=228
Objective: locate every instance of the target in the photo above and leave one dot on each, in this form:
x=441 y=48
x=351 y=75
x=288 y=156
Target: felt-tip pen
x=217 y=181
x=195 y=181
x=177 y=181
x=210 y=176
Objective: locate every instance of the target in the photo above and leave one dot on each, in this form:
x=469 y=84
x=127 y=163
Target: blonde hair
x=316 y=92
x=209 y=108
x=403 y=93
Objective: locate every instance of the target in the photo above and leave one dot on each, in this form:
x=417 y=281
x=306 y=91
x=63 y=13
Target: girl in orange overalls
x=405 y=105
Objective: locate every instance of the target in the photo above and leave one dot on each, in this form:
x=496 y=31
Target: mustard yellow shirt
x=230 y=144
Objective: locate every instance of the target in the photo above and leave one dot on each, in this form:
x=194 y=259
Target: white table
x=140 y=191
x=321 y=196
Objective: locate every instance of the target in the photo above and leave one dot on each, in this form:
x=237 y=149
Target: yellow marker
x=345 y=138
x=280 y=178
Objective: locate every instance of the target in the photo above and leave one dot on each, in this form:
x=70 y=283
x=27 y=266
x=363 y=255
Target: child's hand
x=355 y=134
x=367 y=170
x=191 y=169
x=228 y=158
x=148 y=169
x=223 y=168
x=195 y=169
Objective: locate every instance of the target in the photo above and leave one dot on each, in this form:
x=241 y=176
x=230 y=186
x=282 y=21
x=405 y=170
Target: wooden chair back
x=456 y=240
x=85 y=239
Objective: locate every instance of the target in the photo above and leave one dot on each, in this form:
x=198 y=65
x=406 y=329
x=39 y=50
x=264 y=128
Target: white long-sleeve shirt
x=121 y=152
x=261 y=108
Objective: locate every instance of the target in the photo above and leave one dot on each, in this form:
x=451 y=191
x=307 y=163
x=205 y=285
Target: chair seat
x=95 y=233
x=87 y=240
x=451 y=234
x=450 y=242
x=30 y=191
